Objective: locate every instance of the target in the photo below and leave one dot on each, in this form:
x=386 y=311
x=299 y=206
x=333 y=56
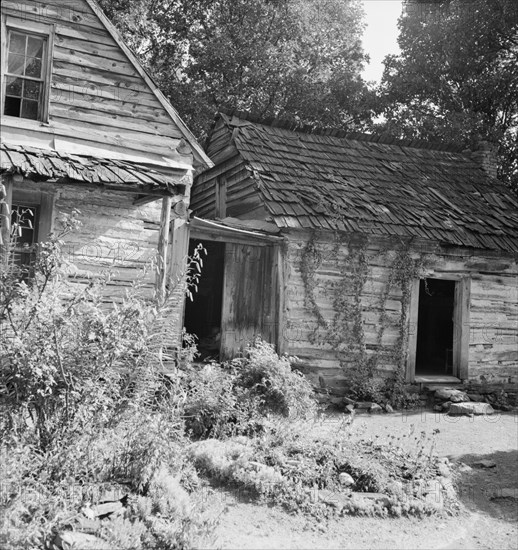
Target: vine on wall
x=345 y=332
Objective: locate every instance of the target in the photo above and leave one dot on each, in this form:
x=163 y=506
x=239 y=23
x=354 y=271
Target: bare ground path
x=483 y=523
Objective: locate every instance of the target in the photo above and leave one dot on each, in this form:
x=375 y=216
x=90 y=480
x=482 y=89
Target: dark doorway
x=203 y=313
x=434 y=354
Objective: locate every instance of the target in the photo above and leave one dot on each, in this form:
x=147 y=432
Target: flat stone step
x=436 y=387
x=437 y=379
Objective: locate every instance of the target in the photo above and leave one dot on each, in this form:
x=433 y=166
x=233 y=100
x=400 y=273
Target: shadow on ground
x=478 y=485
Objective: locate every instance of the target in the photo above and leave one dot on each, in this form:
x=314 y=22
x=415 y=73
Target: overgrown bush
x=85 y=403
x=235 y=398
x=271 y=379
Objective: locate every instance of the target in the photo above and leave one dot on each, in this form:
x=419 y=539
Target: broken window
x=25 y=75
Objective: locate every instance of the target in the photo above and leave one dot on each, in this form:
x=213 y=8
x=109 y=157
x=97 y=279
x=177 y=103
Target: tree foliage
x=456 y=77
x=298 y=59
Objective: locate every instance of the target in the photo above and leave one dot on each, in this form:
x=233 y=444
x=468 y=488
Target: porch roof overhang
x=234 y=230
x=120 y=175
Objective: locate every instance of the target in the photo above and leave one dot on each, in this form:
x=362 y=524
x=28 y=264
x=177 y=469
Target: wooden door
x=249 y=297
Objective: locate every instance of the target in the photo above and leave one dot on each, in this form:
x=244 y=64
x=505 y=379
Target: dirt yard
x=483 y=523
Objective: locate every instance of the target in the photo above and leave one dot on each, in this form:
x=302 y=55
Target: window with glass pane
x=25 y=75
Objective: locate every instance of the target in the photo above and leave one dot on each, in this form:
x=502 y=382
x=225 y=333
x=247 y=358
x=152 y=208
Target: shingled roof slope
x=318 y=181
x=50 y=165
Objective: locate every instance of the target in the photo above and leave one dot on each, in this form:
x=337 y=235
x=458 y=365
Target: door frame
x=461 y=326
x=210 y=230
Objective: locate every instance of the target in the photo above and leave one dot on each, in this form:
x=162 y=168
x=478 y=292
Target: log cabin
x=343 y=248
x=84 y=127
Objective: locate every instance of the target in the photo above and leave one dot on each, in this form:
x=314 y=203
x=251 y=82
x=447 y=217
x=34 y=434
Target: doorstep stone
x=471 y=408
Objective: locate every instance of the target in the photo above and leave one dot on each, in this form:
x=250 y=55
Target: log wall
x=493 y=307
x=116 y=238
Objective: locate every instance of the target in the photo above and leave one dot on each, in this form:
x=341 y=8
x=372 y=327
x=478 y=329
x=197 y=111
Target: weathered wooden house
x=346 y=249
x=84 y=127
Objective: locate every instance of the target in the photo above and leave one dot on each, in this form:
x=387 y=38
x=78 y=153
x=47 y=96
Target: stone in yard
x=508 y=492
x=460 y=397
x=106 y=509
x=388 y=408
x=444 y=470
x=349 y=408
x=476 y=397
x=447 y=394
x=471 y=408
x=333 y=499
x=484 y=464
x=448 y=487
x=345 y=479
x=75 y=540
x=375 y=409
x=381 y=498
x=364 y=404
x=111 y=495
x=348 y=401
x=87 y=525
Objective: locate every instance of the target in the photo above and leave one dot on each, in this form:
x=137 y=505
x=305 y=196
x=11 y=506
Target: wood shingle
x=373 y=184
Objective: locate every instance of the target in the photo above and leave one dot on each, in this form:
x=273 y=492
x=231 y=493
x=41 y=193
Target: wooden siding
x=241 y=192
x=249 y=297
x=97 y=97
x=115 y=236
x=493 y=308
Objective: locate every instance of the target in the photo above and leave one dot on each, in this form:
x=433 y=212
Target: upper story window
x=25 y=76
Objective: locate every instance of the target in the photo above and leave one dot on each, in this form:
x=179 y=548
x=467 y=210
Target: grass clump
x=290 y=465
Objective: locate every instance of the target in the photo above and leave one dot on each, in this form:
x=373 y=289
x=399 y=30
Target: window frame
x=42 y=199
x=40 y=30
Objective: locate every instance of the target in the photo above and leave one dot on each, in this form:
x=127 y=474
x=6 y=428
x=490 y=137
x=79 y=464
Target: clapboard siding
x=115 y=237
x=96 y=93
x=493 y=325
x=242 y=196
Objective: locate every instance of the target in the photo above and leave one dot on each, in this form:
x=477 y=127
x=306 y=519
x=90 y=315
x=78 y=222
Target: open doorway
x=203 y=313
x=435 y=326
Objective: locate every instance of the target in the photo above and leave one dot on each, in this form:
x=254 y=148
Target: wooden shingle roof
x=50 y=165
x=358 y=183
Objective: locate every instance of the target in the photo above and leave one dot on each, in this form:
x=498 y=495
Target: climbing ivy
x=404 y=271
x=345 y=333
x=310 y=262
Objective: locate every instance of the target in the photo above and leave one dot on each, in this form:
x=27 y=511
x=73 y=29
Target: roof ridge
x=341 y=133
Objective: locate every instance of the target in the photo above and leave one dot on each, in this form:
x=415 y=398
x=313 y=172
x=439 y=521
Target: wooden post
x=163 y=245
x=6 y=192
x=412 y=331
x=281 y=269
x=461 y=328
